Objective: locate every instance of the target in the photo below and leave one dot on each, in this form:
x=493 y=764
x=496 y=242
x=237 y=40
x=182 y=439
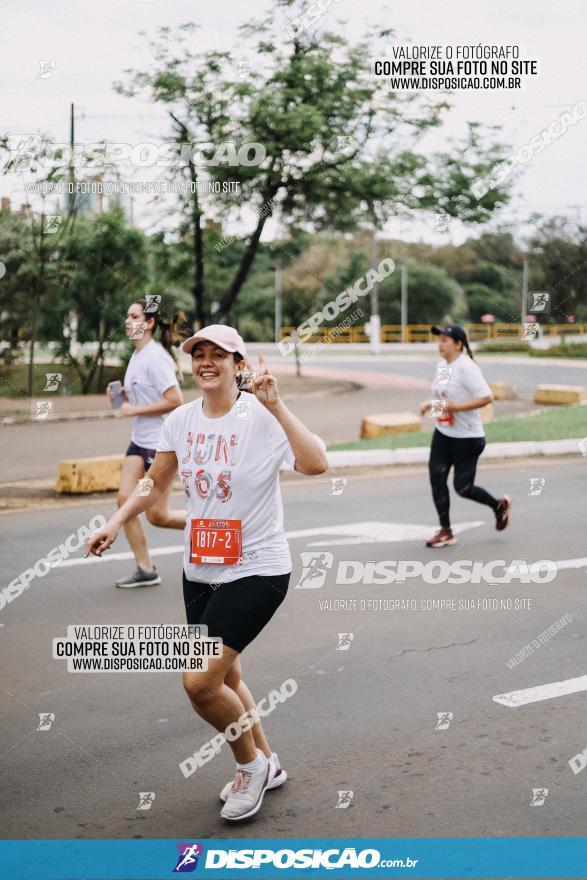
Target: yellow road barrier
x=389 y=423
x=80 y=476
x=561 y=395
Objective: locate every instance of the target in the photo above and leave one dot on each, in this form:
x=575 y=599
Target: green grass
x=14 y=379
x=558 y=423
x=496 y=346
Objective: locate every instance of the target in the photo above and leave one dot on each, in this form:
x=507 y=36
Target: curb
x=341 y=386
x=353 y=458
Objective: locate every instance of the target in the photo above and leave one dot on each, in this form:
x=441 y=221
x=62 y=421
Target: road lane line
x=359 y=533
x=542 y=692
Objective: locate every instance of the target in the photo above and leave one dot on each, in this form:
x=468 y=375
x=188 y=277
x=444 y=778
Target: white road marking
x=359 y=533
x=542 y=692
x=380 y=532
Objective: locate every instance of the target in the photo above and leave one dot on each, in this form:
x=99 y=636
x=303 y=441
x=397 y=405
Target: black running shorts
x=237 y=611
x=148 y=455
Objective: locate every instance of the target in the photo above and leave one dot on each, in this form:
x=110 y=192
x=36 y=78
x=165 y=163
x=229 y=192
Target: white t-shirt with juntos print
x=230 y=471
x=150 y=373
x=460 y=381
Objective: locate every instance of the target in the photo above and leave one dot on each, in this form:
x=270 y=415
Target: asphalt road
x=524 y=372
x=362 y=720
x=31 y=451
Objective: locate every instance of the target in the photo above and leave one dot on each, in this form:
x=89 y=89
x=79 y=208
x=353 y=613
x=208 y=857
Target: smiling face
x=448 y=347
x=213 y=368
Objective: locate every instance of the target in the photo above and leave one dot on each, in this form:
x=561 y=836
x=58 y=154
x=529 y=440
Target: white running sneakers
x=247 y=792
x=277 y=776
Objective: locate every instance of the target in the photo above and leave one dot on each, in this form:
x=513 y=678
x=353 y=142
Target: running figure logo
x=344 y=800
x=314 y=568
x=444 y=719
x=187 y=860
x=437 y=408
x=153 y=300
x=46 y=719
x=46 y=68
x=242 y=407
x=53 y=381
x=338 y=485
x=540 y=303
x=146 y=798
x=443 y=375
x=138 y=329
x=53 y=224
x=441 y=221
x=539 y=795
x=344 y=641
x=42 y=410
x=145 y=484
x=531 y=331
x=537 y=484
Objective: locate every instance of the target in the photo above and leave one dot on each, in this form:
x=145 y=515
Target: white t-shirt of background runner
x=150 y=372
x=465 y=381
x=230 y=470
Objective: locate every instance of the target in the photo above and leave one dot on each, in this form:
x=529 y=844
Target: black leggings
x=462 y=452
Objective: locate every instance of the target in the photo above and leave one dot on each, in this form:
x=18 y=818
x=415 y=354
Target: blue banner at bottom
x=555 y=857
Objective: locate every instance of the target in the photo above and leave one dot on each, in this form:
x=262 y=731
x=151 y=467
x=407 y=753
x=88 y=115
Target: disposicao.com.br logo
x=329 y=859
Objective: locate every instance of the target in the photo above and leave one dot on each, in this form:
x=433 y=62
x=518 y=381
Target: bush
x=505 y=346
x=575 y=350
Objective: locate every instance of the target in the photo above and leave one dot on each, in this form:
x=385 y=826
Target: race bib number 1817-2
x=216 y=541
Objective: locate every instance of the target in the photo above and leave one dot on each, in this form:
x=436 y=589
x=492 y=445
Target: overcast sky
x=92 y=43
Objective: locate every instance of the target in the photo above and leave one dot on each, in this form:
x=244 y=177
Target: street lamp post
x=374 y=320
x=404 y=303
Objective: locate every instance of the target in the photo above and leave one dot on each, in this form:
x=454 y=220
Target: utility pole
x=71 y=171
x=277 y=302
x=374 y=320
x=524 y=290
x=404 y=303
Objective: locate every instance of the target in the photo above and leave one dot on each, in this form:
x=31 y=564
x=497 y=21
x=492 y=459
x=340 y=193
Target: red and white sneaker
x=277 y=776
x=502 y=513
x=443 y=538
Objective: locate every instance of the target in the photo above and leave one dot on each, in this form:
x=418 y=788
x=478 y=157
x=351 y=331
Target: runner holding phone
x=149 y=393
x=229 y=446
x=459 y=392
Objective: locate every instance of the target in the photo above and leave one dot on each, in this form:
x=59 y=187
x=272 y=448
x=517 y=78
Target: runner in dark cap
x=459 y=392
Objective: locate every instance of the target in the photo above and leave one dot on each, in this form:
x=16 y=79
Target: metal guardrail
x=421 y=332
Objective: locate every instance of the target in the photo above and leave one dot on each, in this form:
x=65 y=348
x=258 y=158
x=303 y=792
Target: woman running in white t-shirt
x=459 y=392
x=150 y=391
x=229 y=446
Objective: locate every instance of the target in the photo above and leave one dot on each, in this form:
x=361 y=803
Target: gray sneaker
x=140 y=578
x=247 y=792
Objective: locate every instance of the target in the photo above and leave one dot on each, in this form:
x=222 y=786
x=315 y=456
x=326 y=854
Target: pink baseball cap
x=221 y=335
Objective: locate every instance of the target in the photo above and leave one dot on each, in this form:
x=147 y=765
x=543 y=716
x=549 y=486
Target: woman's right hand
x=425 y=407
x=102 y=540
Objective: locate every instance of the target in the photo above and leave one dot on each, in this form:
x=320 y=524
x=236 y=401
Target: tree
x=108 y=269
x=431 y=294
x=47 y=231
x=339 y=148
x=19 y=260
x=558 y=260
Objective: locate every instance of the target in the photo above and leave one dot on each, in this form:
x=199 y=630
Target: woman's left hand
x=127 y=409
x=264 y=384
